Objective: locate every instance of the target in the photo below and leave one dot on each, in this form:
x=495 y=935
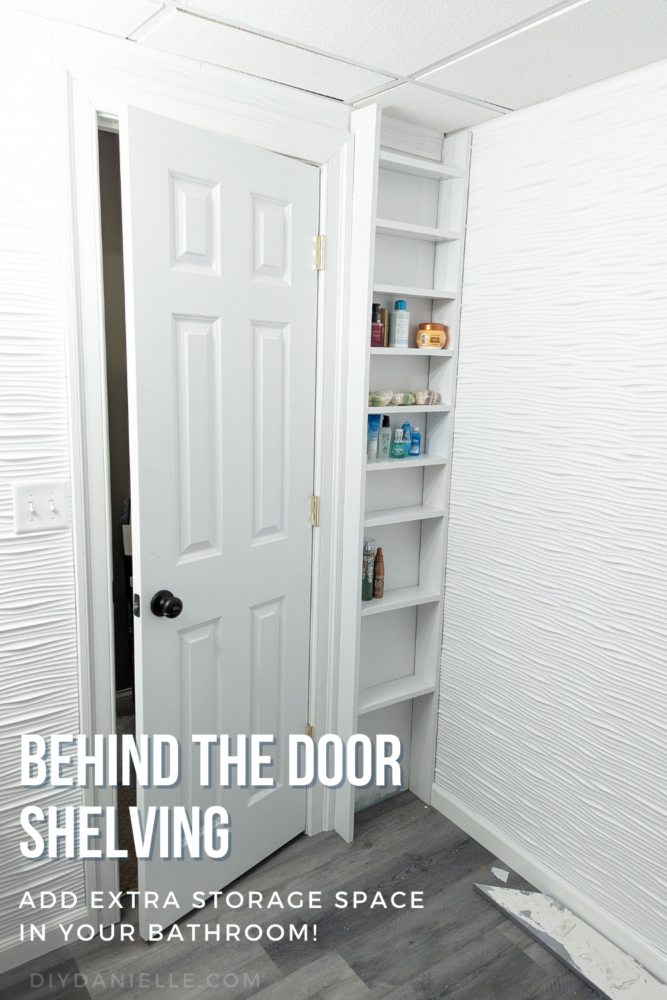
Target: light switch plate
x=41 y=505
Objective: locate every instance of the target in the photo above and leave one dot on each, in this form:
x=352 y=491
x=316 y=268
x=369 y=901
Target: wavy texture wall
x=38 y=656
x=553 y=713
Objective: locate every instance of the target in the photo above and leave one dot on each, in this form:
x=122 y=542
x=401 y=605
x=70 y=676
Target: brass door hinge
x=310 y=731
x=315 y=511
x=320 y=252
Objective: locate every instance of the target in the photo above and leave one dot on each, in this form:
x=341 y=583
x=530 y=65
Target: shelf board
x=413 y=352
x=421 y=168
x=404 y=597
x=392 y=692
x=386 y=227
x=400 y=292
x=397 y=515
x=413 y=408
x=376 y=465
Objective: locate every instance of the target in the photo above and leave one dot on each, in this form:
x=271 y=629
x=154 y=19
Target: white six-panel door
x=221 y=312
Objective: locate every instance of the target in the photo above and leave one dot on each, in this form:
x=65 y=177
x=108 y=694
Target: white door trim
x=96 y=80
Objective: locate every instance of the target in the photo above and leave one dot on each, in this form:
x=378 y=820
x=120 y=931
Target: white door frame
x=94 y=76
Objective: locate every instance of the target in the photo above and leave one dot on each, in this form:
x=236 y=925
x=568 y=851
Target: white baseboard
x=550 y=882
x=14 y=952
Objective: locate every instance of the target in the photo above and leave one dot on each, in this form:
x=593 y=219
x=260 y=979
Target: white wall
x=38 y=656
x=553 y=718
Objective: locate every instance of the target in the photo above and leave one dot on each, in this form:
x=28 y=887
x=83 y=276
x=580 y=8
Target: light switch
x=41 y=506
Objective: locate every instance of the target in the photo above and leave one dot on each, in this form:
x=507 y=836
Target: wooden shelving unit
x=409 y=221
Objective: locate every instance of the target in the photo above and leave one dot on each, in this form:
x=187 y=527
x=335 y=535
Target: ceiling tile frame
x=418 y=78
x=516 y=29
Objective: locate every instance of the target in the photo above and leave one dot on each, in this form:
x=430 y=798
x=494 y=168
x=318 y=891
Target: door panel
x=221 y=316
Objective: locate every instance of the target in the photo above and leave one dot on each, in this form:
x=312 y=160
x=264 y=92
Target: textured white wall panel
x=38 y=666
x=553 y=714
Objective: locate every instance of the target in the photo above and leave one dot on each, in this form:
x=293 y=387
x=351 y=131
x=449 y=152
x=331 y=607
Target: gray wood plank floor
x=458 y=947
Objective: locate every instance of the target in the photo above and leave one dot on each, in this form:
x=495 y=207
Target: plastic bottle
x=399 y=325
x=398 y=448
x=384 y=443
x=407 y=433
x=378 y=575
x=415 y=443
x=372 y=438
x=367 y=569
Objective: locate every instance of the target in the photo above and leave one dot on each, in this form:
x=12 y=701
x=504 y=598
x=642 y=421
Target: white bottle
x=399 y=325
x=384 y=446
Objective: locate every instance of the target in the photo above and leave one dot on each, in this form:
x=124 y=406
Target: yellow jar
x=431 y=335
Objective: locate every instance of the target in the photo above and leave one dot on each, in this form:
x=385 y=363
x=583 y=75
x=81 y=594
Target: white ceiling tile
x=426 y=107
x=117 y=17
x=582 y=45
x=393 y=35
x=216 y=43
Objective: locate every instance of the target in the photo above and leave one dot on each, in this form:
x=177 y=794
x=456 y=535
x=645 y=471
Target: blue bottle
x=415 y=443
x=407 y=432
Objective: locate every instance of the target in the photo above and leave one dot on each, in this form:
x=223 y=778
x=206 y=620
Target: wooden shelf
x=412 y=408
x=404 y=597
x=421 y=168
x=413 y=352
x=376 y=465
x=413 y=232
x=401 y=292
x=392 y=692
x=397 y=515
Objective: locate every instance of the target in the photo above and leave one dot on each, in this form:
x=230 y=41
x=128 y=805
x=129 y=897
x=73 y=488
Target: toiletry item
x=384 y=440
x=407 y=431
x=399 y=325
x=415 y=443
x=367 y=569
x=380 y=397
x=398 y=448
x=373 y=431
x=384 y=319
x=431 y=335
x=378 y=575
x=402 y=399
x=377 y=333
x=427 y=397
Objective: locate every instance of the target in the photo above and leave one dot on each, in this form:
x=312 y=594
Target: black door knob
x=165 y=605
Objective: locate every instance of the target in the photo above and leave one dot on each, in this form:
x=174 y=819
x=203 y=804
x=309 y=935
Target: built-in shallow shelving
x=414 y=352
x=403 y=597
x=411 y=408
x=378 y=464
x=398 y=515
x=408 y=238
x=419 y=168
x=392 y=692
x=401 y=292
x=386 y=227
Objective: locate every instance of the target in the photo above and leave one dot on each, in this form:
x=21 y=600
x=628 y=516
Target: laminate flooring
x=458 y=946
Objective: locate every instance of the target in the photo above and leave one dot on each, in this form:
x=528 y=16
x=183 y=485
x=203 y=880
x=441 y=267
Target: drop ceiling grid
x=596 y=40
x=381 y=33
x=445 y=65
